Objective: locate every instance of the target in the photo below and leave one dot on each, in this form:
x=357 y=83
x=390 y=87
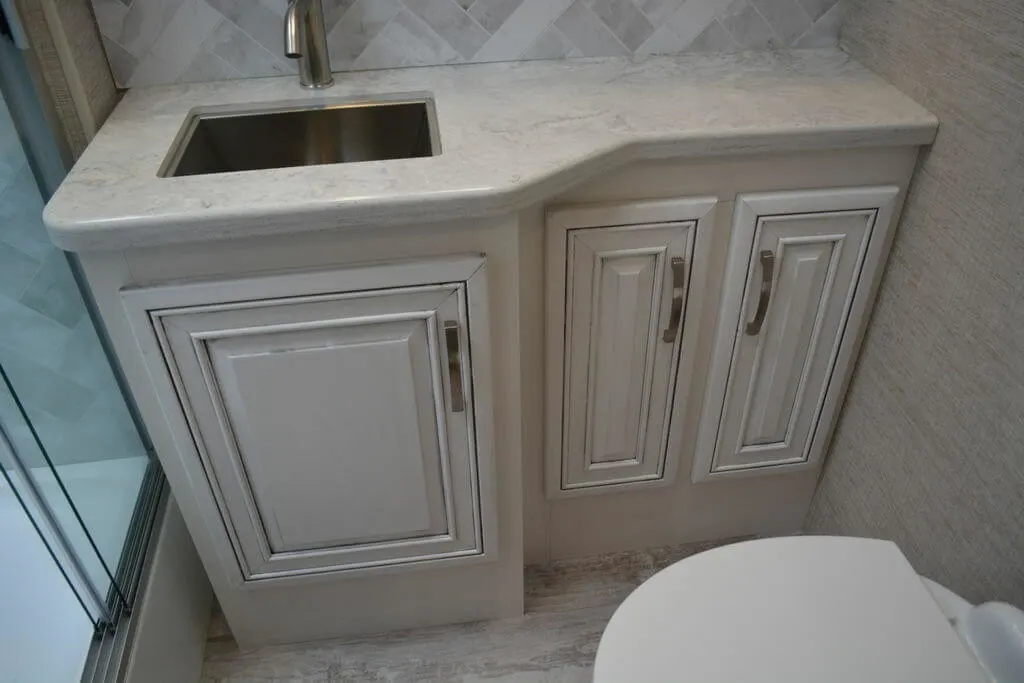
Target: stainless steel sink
x=225 y=140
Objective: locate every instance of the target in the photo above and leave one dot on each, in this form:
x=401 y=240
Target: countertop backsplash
x=151 y=42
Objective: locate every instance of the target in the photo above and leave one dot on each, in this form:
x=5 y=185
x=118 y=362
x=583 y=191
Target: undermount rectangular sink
x=225 y=140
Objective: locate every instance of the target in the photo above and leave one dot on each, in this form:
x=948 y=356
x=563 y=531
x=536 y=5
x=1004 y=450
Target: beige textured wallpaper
x=69 y=56
x=929 y=451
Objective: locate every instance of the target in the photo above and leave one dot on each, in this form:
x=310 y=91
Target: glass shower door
x=64 y=409
x=72 y=452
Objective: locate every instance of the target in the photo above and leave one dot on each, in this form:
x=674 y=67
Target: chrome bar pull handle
x=451 y=341
x=678 y=283
x=767 y=276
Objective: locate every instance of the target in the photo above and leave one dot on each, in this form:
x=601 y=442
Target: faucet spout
x=305 y=39
x=294 y=33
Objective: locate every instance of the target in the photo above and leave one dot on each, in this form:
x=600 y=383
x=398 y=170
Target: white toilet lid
x=802 y=609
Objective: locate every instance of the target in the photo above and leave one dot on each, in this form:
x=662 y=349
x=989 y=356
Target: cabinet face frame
x=737 y=294
x=144 y=306
x=696 y=215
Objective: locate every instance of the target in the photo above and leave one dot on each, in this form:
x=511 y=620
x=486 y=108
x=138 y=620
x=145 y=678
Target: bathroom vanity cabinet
x=618 y=278
x=379 y=389
x=395 y=420
x=341 y=434
x=794 y=298
x=621 y=346
x=339 y=419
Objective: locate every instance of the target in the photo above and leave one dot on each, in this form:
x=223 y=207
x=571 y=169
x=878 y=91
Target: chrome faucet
x=305 y=39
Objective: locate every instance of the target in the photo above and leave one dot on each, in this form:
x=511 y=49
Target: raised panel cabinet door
x=625 y=291
x=791 y=283
x=337 y=430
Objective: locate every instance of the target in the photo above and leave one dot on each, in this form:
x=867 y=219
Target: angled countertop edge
x=397 y=207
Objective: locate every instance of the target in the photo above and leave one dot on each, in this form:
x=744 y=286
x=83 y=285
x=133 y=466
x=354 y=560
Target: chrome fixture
x=678 y=285
x=451 y=340
x=767 y=275
x=305 y=39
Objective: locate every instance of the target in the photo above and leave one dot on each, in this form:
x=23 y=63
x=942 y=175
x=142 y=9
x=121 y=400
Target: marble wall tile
x=53 y=292
x=140 y=27
x=49 y=348
x=21 y=206
x=623 y=19
x=42 y=389
x=491 y=14
x=586 y=30
x=713 y=39
x=12 y=159
x=357 y=28
x=16 y=268
x=229 y=49
x=183 y=37
x=747 y=27
x=662 y=42
x=816 y=8
x=658 y=11
x=152 y=42
x=552 y=44
x=699 y=15
x=516 y=34
x=31 y=335
x=418 y=45
x=259 y=21
x=823 y=31
x=121 y=61
x=787 y=18
x=452 y=24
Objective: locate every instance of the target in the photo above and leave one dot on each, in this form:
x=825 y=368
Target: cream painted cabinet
x=619 y=278
x=334 y=420
x=791 y=289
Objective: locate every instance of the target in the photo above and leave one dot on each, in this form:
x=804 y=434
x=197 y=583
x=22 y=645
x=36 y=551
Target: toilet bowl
x=806 y=609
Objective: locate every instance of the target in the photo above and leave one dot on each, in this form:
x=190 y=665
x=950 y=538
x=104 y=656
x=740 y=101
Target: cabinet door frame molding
x=608 y=226
x=464 y=539
x=876 y=205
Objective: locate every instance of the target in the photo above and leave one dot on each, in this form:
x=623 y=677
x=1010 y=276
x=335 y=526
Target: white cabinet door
x=790 y=289
x=335 y=426
x=616 y=313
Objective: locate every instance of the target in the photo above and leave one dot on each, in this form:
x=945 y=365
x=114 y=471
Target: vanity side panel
x=687 y=512
x=531 y=352
x=358 y=604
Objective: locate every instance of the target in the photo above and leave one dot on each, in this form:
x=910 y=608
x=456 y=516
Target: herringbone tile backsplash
x=168 y=41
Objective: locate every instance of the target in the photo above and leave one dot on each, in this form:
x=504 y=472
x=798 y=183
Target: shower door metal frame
x=50 y=530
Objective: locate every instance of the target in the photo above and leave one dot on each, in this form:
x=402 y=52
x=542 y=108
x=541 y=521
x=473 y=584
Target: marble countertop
x=512 y=135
